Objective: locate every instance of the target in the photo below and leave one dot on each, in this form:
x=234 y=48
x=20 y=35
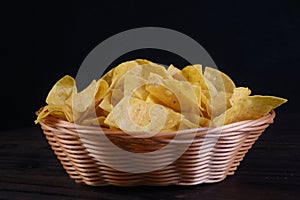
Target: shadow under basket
x=91 y=155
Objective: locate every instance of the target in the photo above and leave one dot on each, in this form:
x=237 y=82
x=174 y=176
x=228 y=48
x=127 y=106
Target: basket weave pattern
x=78 y=153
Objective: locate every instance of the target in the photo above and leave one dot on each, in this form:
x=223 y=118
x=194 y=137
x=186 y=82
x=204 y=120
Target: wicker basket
x=78 y=149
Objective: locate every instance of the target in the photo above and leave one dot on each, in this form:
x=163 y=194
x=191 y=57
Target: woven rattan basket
x=79 y=147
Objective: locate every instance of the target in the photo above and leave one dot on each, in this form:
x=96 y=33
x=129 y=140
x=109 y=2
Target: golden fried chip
x=205 y=105
x=61 y=112
x=135 y=86
x=175 y=73
x=132 y=114
x=164 y=95
x=61 y=91
x=152 y=99
x=198 y=93
x=121 y=69
x=106 y=102
x=56 y=99
x=101 y=89
x=83 y=100
x=194 y=121
x=42 y=114
x=219 y=104
x=139 y=67
x=172 y=70
x=116 y=96
x=108 y=76
x=239 y=93
x=141 y=93
x=178 y=95
x=148 y=67
x=220 y=80
x=193 y=73
x=249 y=108
x=211 y=89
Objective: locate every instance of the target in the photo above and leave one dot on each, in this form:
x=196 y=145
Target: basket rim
x=56 y=122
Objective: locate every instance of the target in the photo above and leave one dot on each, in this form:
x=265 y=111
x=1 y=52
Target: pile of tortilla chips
x=140 y=95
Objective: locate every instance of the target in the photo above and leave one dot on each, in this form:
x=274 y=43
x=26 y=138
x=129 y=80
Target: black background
x=256 y=43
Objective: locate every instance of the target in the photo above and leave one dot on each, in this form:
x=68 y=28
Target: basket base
x=192 y=168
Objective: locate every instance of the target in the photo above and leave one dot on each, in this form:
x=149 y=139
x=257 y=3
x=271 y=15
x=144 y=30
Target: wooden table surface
x=271 y=170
